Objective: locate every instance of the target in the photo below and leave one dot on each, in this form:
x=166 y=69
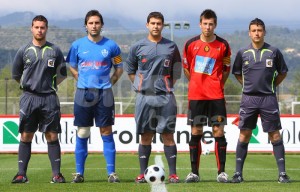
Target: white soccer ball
x=154 y=174
x=206 y=152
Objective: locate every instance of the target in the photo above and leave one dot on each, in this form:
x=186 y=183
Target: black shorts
x=155 y=113
x=266 y=106
x=39 y=111
x=207 y=112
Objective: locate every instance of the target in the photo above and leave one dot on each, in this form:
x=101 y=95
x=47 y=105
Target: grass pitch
x=260 y=174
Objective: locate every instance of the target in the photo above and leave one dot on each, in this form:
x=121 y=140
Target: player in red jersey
x=206 y=63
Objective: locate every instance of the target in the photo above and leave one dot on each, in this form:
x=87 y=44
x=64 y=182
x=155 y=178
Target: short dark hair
x=93 y=13
x=208 y=14
x=156 y=15
x=257 y=22
x=40 y=18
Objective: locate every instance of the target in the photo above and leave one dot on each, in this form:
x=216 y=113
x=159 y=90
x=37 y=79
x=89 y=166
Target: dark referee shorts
x=266 y=106
x=39 y=111
x=155 y=113
x=94 y=104
x=207 y=112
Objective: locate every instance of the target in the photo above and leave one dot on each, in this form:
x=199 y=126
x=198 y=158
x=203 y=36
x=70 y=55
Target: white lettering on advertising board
x=126 y=139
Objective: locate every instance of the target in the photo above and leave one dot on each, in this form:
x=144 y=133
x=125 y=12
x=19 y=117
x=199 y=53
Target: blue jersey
x=94 y=61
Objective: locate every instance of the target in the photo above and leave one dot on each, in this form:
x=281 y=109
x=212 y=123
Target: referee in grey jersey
x=39 y=66
x=154 y=65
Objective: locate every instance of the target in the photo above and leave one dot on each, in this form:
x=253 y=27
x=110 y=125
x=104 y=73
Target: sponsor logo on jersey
x=204 y=65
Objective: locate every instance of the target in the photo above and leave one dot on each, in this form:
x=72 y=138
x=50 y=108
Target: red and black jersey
x=205 y=61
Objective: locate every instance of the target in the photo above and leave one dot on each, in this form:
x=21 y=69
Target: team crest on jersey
x=51 y=62
x=104 y=52
x=167 y=63
x=206 y=48
x=269 y=62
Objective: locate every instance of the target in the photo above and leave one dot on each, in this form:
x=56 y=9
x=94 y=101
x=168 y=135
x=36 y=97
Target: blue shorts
x=39 y=111
x=93 y=104
x=155 y=113
x=207 y=112
x=266 y=106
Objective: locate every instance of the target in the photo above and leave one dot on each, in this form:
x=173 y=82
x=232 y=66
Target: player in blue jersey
x=154 y=65
x=260 y=68
x=39 y=66
x=91 y=59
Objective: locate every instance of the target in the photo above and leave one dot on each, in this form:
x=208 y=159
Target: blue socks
x=109 y=151
x=81 y=153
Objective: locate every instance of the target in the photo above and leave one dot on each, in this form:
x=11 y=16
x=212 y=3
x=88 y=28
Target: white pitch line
x=159 y=187
x=158 y=161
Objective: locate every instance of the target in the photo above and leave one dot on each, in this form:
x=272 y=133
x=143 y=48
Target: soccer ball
x=154 y=174
x=206 y=152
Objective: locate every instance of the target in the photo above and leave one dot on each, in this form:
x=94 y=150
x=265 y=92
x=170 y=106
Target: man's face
x=208 y=27
x=257 y=33
x=155 y=27
x=94 y=26
x=39 y=30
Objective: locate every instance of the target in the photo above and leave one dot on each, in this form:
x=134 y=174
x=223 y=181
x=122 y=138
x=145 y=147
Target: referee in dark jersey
x=260 y=68
x=39 y=67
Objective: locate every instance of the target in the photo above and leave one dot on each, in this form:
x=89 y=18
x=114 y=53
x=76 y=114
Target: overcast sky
x=285 y=10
